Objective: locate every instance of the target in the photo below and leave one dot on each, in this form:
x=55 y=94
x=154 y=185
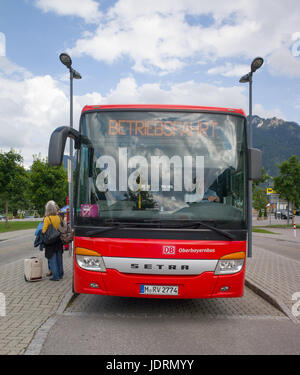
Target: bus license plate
x=162 y=290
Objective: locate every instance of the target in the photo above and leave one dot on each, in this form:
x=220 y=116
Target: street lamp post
x=67 y=61
x=256 y=64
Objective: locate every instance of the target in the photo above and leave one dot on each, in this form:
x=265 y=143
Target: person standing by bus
x=54 y=251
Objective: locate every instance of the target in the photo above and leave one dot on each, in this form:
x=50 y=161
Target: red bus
x=160 y=200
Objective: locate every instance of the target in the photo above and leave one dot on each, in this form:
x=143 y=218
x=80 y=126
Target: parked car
x=297 y=212
x=2 y=217
x=284 y=214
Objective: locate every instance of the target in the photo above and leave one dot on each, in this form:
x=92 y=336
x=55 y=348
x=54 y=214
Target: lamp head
x=66 y=60
x=76 y=74
x=245 y=78
x=256 y=64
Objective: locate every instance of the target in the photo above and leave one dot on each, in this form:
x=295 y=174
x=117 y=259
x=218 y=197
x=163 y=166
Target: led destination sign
x=151 y=128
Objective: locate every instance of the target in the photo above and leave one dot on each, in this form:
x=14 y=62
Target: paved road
x=288 y=246
x=132 y=326
x=17 y=245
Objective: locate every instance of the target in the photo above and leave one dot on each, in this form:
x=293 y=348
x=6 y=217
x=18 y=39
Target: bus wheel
x=75 y=294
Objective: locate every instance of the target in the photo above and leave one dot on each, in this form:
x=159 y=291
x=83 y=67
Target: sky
x=142 y=52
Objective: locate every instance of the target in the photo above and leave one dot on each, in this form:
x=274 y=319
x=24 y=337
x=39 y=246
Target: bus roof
x=161 y=107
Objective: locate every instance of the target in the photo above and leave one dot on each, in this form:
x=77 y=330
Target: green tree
x=13 y=180
x=264 y=178
x=47 y=183
x=259 y=201
x=258 y=193
x=287 y=184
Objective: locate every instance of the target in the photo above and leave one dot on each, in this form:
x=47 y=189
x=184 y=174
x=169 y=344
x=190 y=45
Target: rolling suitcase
x=33 y=269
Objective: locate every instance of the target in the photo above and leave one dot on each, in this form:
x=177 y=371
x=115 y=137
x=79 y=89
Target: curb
x=269 y=297
x=35 y=346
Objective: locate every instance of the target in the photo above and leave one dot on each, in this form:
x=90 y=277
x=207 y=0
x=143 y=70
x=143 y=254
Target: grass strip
x=261 y=230
x=281 y=226
x=17 y=225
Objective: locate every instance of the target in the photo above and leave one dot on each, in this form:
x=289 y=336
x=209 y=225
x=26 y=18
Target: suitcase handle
x=37 y=260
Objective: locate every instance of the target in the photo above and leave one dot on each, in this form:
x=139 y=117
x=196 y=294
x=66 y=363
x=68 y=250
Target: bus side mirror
x=58 y=142
x=255 y=164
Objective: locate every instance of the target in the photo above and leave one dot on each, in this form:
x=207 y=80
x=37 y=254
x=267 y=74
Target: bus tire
x=73 y=290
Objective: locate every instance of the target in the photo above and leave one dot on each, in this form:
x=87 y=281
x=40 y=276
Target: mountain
x=278 y=140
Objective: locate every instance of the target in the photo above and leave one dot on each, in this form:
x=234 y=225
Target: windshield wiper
x=162 y=223
x=196 y=223
x=215 y=229
x=114 y=225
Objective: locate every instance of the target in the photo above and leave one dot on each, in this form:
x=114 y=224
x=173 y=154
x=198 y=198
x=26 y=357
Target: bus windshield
x=161 y=166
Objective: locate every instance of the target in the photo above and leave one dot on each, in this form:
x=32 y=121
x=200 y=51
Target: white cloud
x=260 y=111
x=13 y=70
x=230 y=70
x=283 y=62
x=87 y=9
x=30 y=109
x=186 y=93
x=150 y=42
x=158 y=37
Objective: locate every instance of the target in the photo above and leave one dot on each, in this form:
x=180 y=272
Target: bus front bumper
x=115 y=283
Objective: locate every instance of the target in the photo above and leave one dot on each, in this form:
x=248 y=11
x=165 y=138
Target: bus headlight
x=89 y=260
x=231 y=263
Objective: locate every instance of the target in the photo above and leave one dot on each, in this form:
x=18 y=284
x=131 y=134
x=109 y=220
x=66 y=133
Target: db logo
x=169 y=250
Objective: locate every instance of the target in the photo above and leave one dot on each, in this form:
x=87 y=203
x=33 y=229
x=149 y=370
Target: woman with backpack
x=53 y=251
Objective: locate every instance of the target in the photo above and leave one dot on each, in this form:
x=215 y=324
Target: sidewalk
x=276 y=277
x=30 y=305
